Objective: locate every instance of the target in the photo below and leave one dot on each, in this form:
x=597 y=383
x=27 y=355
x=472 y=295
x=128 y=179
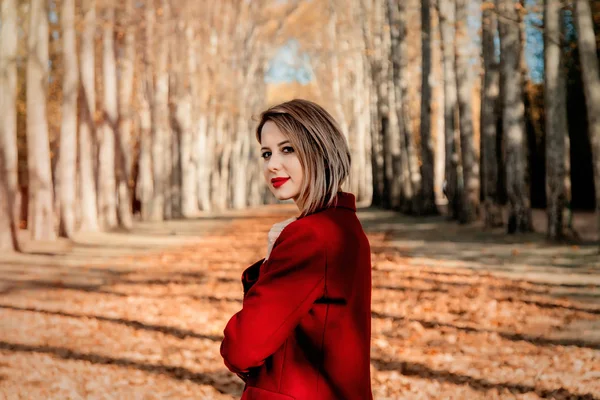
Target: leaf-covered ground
x=458 y=313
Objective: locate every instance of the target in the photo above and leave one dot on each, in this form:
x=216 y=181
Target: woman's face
x=282 y=169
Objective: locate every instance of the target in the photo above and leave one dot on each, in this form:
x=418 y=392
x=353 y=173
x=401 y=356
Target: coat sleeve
x=293 y=279
x=250 y=275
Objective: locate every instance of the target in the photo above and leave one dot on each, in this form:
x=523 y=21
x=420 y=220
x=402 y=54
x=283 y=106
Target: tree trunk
x=175 y=167
x=556 y=118
x=9 y=185
x=160 y=126
x=396 y=146
x=41 y=196
x=187 y=115
x=107 y=190
x=165 y=44
x=68 y=132
x=145 y=182
x=427 y=167
x=204 y=162
x=489 y=99
x=239 y=170
x=124 y=149
x=513 y=119
x=379 y=105
x=438 y=111
x=388 y=116
x=413 y=183
x=470 y=165
x=591 y=85
x=220 y=170
x=338 y=101
x=447 y=32
x=87 y=126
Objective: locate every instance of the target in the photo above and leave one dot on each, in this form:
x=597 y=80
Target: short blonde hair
x=321 y=148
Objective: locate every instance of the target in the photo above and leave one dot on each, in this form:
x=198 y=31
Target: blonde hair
x=321 y=147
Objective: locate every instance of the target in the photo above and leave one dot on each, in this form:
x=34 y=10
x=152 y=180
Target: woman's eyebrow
x=278 y=144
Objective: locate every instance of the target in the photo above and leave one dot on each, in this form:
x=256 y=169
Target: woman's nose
x=274 y=163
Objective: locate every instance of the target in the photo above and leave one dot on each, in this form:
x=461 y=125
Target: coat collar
x=341 y=200
x=345 y=200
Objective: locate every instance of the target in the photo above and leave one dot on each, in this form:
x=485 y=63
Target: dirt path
x=140 y=315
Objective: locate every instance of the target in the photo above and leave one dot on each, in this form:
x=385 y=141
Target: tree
x=395 y=173
x=446 y=12
x=513 y=121
x=68 y=133
x=591 y=85
x=41 y=196
x=185 y=116
x=489 y=100
x=405 y=163
x=372 y=36
x=107 y=201
x=470 y=165
x=87 y=126
x=557 y=134
x=160 y=120
x=9 y=188
x=429 y=206
x=126 y=65
x=145 y=184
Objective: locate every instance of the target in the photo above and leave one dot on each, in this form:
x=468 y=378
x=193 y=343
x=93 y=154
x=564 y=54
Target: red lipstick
x=278 y=182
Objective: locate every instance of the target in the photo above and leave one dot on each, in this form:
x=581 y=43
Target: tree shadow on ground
x=514 y=337
x=438 y=239
x=219 y=380
x=167 y=330
x=407 y=368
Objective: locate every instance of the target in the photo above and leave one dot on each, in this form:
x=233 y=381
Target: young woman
x=305 y=327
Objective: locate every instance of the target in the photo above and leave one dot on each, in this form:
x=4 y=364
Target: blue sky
x=290 y=63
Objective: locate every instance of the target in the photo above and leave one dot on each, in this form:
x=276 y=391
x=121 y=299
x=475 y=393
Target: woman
x=305 y=327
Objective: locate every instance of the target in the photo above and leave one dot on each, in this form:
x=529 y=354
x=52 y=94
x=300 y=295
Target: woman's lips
x=277 y=182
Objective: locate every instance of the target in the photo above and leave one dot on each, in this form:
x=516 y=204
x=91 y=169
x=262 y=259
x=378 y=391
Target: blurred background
x=113 y=110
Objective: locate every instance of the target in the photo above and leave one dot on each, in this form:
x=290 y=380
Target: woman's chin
x=282 y=196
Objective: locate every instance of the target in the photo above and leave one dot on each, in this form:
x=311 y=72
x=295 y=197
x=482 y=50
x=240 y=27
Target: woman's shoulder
x=320 y=225
x=305 y=227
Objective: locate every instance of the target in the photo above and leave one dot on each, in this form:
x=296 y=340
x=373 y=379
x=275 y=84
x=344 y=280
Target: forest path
x=458 y=312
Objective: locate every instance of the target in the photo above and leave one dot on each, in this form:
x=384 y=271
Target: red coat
x=305 y=327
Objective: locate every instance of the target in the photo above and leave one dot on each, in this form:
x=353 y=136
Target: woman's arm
x=250 y=275
x=293 y=278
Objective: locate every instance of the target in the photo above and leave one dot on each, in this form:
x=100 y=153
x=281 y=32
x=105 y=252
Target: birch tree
x=519 y=219
x=9 y=187
x=412 y=188
x=107 y=201
x=145 y=182
x=160 y=120
x=489 y=99
x=395 y=167
x=446 y=12
x=185 y=113
x=591 y=86
x=379 y=106
x=126 y=65
x=68 y=133
x=427 y=154
x=40 y=185
x=87 y=127
x=470 y=165
x=557 y=134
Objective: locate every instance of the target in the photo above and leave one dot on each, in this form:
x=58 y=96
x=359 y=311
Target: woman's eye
x=288 y=149
x=266 y=154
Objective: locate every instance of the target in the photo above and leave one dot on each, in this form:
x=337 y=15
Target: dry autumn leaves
x=457 y=314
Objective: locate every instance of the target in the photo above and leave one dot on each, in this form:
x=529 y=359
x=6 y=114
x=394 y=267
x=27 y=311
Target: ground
x=458 y=312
